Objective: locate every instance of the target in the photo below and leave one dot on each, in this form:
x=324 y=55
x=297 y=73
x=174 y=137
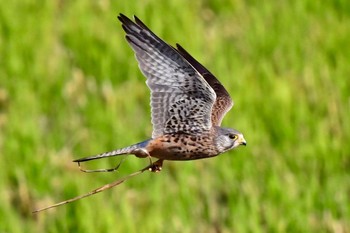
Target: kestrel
x=188 y=103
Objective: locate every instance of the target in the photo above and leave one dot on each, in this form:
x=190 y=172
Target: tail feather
x=126 y=150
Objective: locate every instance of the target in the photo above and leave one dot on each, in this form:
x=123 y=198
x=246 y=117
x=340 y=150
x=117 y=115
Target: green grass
x=70 y=87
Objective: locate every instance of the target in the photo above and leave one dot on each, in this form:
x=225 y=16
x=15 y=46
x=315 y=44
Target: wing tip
x=127 y=21
x=124 y=19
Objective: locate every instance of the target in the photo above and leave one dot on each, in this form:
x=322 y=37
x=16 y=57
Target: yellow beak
x=242 y=141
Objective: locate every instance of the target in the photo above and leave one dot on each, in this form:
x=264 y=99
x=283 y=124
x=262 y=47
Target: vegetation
x=70 y=87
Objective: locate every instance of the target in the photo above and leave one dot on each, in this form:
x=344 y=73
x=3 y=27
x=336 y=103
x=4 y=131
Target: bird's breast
x=182 y=147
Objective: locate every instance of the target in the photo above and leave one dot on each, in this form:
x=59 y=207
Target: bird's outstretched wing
x=223 y=102
x=181 y=99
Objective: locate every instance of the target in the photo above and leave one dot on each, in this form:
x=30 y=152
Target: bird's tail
x=126 y=150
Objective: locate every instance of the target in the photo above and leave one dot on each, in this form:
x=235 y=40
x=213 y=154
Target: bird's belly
x=183 y=147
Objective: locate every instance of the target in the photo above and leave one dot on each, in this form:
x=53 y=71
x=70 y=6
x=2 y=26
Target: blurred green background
x=70 y=87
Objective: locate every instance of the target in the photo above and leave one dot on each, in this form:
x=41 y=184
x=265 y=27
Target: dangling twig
x=113 y=169
x=150 y=167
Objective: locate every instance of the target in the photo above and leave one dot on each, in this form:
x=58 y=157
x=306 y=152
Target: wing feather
x=223 y=101
x=181 y=99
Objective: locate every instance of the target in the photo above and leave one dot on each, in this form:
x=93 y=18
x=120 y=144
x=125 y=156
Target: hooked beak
x=242 y=141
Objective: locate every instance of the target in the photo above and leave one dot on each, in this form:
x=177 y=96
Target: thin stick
x=100 y=189
x=103 y=170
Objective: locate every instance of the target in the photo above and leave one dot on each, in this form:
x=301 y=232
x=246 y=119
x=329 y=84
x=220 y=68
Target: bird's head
x=228 y=139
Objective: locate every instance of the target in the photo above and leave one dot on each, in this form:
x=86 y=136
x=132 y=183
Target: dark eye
x=233 y=136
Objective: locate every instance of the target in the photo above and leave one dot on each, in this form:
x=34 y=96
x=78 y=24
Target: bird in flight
x=188 y=104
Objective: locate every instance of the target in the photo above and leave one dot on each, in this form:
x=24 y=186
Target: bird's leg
x=154 y=166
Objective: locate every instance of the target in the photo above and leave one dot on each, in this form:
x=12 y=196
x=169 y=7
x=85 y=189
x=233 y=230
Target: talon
x=156 y=166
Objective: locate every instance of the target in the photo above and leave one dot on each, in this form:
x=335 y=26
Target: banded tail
x=133 y=149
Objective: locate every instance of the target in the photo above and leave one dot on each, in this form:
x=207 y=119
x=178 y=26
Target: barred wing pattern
x=181 y=99
x=223 y=102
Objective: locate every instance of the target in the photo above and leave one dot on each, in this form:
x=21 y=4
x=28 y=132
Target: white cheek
x=227 y=143
x=224 y=143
